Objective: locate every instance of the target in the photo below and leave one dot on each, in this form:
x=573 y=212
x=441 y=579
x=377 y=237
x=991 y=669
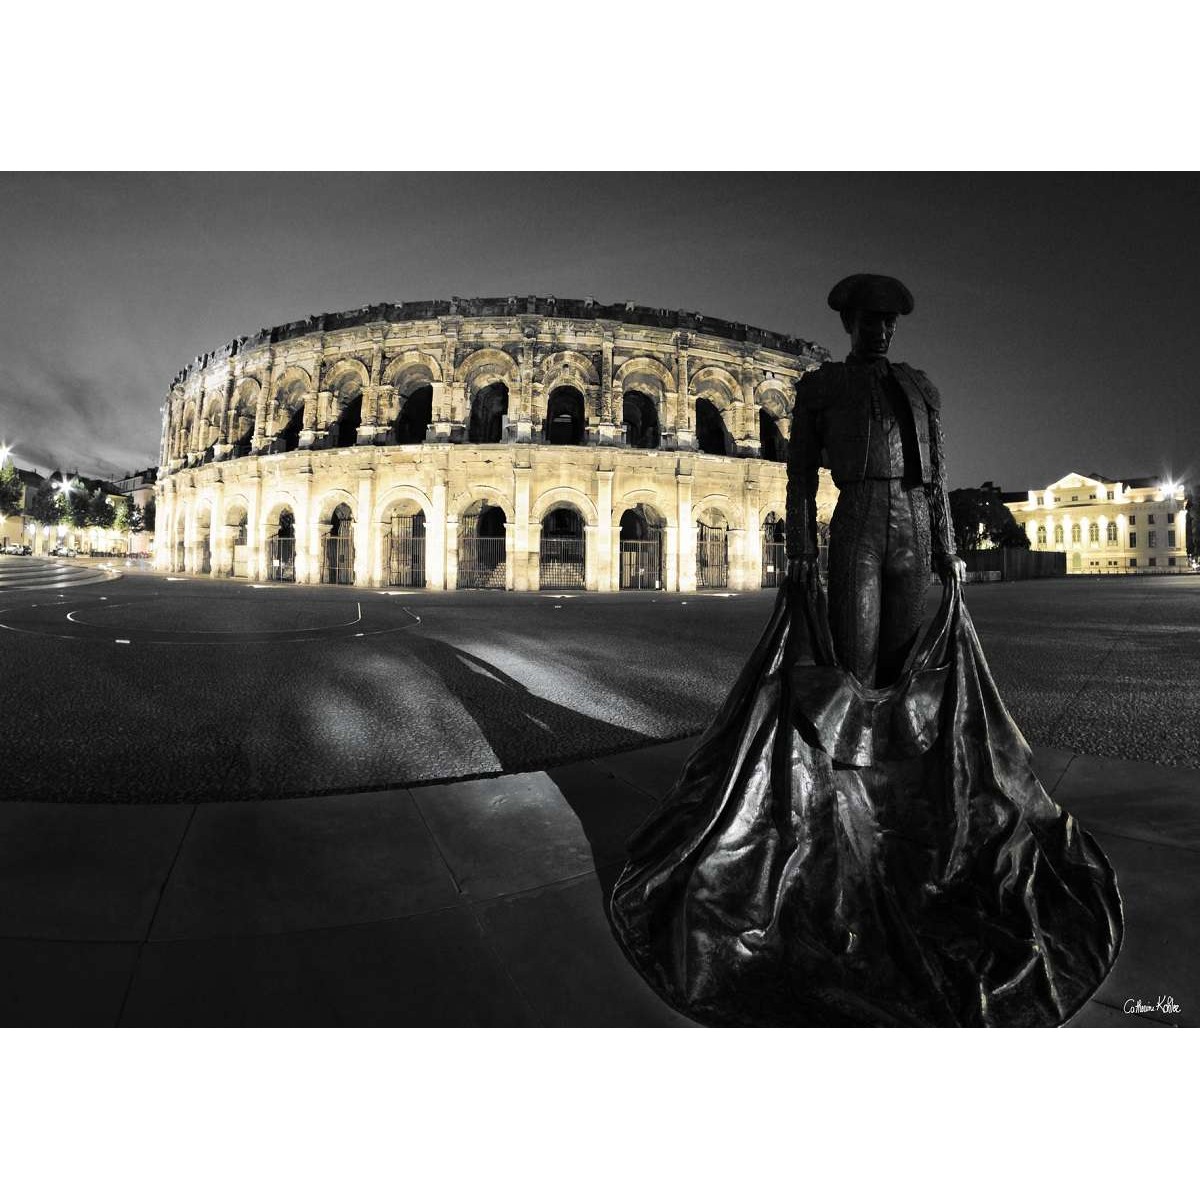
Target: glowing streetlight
x=4 y=449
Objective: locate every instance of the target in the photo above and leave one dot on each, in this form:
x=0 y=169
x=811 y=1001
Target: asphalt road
x=146 y=689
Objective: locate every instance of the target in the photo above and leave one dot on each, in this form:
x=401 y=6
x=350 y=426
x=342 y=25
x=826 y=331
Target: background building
x=21 y=526
x=517 y=443
x=1107 y=526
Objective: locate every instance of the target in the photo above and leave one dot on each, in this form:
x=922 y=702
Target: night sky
x=1056 y=313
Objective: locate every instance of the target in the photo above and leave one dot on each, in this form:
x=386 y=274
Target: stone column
x=317 y=406
x=609 y=432
x=435 y=538
x=522 y=530
x=376 y=427
x=687 y=527
x=451 y=553
x=752 y=543
x=368 y=564
x=683 y=435
x=601 y=548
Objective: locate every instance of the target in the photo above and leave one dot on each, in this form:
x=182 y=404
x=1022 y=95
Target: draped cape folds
x=838 y=855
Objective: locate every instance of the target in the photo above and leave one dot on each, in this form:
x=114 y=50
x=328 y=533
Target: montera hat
x=871 y=293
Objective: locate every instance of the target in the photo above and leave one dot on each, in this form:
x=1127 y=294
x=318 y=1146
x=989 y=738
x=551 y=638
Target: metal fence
x=337 y=558
x=774 y=564
x=481 y=562
x=641 y=564
x=404 y=560
x=712 y=558
x=563 y=562
x=281 y=559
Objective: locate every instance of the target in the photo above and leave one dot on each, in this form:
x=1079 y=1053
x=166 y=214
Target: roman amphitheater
x=517 y=443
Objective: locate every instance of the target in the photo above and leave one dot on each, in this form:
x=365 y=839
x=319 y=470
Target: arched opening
x=237 y=526
x=179 y=558
x=563 y=549
x=415 y=416
x=288 y=437
x=481 y=547
x=243 y=436
x=404 y=545
x=710 y=429
x=337 y=547
x=344 y=430
x=489 y=407
x=772 y=443
x=712 y=550
x=774 y=551
x=641 y=421
x=564 y=417
x=281 y=549
x=641 y=548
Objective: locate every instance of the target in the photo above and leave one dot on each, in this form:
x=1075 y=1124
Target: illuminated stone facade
x=518 y=443
x=1108 y=526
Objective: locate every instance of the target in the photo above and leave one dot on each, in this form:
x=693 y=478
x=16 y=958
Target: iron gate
x=180 y=563
x=337 y=558
x=281 y=559
x=774 y=564
x=481 y=562
x=641 y=564
x=712 y=558
x=563 y=562
x=404 y=560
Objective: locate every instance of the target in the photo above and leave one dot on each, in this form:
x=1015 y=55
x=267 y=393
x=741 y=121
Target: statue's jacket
x=835 y=423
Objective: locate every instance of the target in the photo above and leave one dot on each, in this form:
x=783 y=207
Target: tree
x=46 y=507
x=11 y=490
x=129 y=518
x=99 y=512
x=981 y=519
x=148 y=516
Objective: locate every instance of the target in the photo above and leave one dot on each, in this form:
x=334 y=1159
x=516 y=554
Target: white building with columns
x=1108 y=526
x=519 y=442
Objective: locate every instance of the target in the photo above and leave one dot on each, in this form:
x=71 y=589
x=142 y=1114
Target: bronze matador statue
x=878 y=424
x=859 y=838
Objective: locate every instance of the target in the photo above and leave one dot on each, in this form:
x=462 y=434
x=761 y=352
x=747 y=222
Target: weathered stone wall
x=223 y=459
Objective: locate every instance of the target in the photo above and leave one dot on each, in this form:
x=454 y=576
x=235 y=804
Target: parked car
x=17 y=548
x=64 y=551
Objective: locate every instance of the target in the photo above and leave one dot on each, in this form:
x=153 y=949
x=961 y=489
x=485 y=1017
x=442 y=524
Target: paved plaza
x=142 y=882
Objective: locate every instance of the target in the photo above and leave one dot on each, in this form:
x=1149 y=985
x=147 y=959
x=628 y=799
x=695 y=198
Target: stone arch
x=772 y=444
x=492 y=497
x=716 y=504
x=712 y=431
x=345 y=383
x=324 y=505
x=772 y=395
x=557 y=496
x=715 y=384
x=566 y=415
x=241 y=414
x=485 y=367
x=187 y=430
x=286 y=414
x=410 y=365
x=235 y=536
x=645 y=498
x=399 y=494
x=568 y=368
x=646 y=374
x=563 y=540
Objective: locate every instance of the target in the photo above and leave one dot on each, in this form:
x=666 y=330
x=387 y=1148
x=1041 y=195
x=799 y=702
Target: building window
x=1152 y=562
x=1133 y=518
x=1041 y=500
x=1152 y=540
x=1171 y=539
x=1041 y=535
x=1094 y=533
x=1149 y=518
x=1133 y=541
x=1112 y=532
x=1075 y=534
x=1058 y=535
x=1170 y=562
x=1133 y=562
x=1110 y=495
x=1074 y=497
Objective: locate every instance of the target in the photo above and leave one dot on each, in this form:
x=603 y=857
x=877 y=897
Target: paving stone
x=1137 y=800
x=434 y=969
x=1160 y=887
x=1049 y=762
x=608 y=808
x=285 y=865
x=559 y=947
x=506 y=835
x=82 y=872
x=653 y=769
x=45 y=983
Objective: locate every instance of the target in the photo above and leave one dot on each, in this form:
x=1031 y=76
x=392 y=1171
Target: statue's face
x=870 y=332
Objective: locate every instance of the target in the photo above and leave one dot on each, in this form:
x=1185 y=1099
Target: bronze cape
x=837 y=855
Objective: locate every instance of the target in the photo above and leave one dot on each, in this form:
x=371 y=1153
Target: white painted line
x=122 y=641
x=360 y=635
